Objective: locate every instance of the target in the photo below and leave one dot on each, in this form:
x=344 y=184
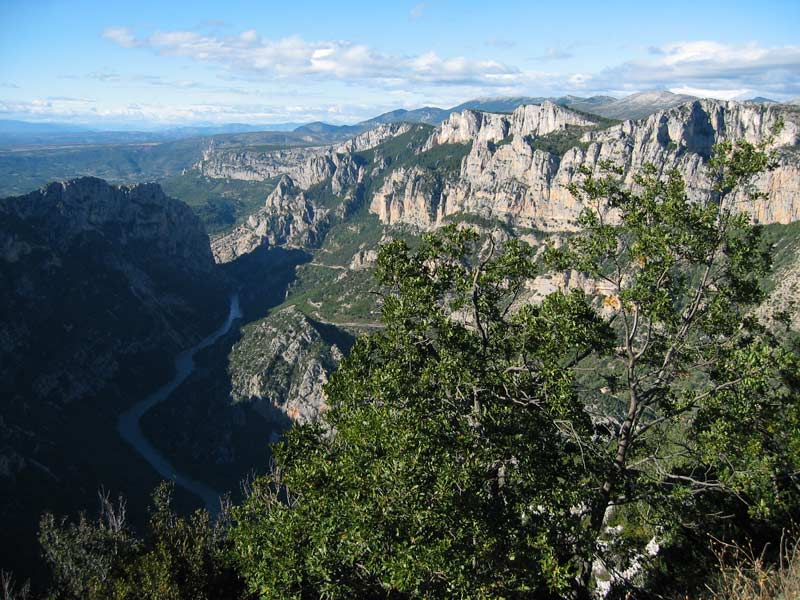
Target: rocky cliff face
x=527 y=186
x=298 y=212
x=281 y=366
x=289 y=218
x=373 y=138
x=482 y=128
x=129 y=253
x=305 y=166
x=126 y=216
x=516 y=167
x=255 y=165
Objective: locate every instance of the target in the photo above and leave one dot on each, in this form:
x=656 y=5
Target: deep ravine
x=130 y=429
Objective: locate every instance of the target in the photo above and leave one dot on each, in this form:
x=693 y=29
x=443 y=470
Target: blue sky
x=149 y=63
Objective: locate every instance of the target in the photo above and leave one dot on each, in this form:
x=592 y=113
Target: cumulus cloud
x=368 y=81
x=713 y=67
x=704 y=65
x=295 y=57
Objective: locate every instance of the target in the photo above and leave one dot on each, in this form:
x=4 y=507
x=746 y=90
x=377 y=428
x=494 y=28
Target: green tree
x=703 y=399
x=443 y=468
x=480 y=446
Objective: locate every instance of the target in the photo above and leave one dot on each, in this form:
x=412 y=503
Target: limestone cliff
x=481 y=128
x=305 y=166
x=288 y=218
x=309 y=194
x=281 y=364
x=507 y=175
x=516 y=168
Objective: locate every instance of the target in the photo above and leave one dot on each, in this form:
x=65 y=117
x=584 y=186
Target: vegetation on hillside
x=481 y=447
x=220 y=203
x=558 y=142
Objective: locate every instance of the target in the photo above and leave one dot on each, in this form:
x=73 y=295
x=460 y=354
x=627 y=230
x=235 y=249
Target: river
x=129 y=426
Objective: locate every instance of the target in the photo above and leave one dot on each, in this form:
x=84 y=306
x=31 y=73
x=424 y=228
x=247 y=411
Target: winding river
x=130 y=429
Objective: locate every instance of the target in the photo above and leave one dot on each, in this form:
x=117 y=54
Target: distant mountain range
x=14 y=132
x=635 y=106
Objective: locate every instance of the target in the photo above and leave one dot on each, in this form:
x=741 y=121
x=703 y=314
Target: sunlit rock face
x=504 y=176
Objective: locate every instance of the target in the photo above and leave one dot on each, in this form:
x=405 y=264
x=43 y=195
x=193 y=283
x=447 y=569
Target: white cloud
x=122 y=36
x=417 y=11
x=295 y=57
x=145 y=114
x=367 y=81
x=722 y=70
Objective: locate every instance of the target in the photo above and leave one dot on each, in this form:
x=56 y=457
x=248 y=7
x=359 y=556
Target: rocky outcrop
x=305 y=166
x=298 y=212
x=83 y=266
x=372 y=138
x=363 y=259
x=781 y=307
x=518 y=169
x=251 y=164
x=281 y=365
x=481 y=128
x=408 y=196
x=289 y=218
x=517 y=182
x=125 y=216
x=141 y=255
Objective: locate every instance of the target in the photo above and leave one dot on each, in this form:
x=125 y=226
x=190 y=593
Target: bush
x=178 y=558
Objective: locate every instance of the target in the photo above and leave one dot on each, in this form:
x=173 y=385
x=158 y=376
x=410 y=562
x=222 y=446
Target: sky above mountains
x=150 y=63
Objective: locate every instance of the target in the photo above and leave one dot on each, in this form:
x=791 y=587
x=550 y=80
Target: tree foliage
x=178 y=559
x=425 y=479
x=469 y=450
x=700 y=422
